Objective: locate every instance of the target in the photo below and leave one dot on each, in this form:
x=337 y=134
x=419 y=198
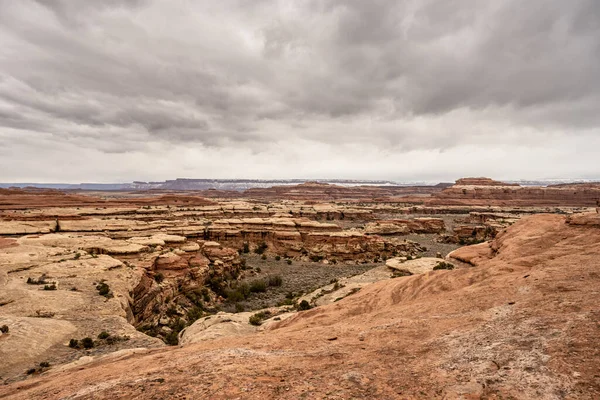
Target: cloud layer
x=410 y=90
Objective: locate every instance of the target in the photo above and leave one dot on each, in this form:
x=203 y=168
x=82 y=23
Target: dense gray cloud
x=410 y=90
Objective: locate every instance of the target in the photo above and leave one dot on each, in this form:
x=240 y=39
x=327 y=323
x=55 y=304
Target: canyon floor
x=312 y=291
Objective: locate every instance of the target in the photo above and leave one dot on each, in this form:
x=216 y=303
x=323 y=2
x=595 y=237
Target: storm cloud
x=410 y=90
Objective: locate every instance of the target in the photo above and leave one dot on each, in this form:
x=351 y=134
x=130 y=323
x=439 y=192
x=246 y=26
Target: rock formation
x=521 y=324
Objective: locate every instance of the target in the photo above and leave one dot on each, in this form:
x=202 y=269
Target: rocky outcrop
x=484 y=191
x=405 y=226
x=521 y=324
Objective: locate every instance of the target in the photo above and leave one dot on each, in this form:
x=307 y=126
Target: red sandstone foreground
x=523 y=323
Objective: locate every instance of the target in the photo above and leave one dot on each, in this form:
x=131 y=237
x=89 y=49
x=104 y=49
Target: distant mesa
x=482 y=182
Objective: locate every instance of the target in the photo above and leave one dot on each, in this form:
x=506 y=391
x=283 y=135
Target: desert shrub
x=205 y=294
x=409 y=257
x=172 y=338
x=239 y=307
x=304 y=305
x=401 y=272
x=258 y=286
x=288 y=261
x=4 y=328
x=171 y=311
x=45 y=364
x=194 y=314
x=103 y=335
x=114 y=339
x=263 y=257
x=260 y=249
x=255 y=320
x=87 y=343
x=159 y=277
x=238 y=293
x=50 y=287
x=277 y=258
x=77 y=255
x=443 y=265
x=39 y=281
x=246 y=248
x=73 y=343
x=275 y=280
x=316 y=258
x=258 y=269
x=103 y=289
x=30 y=371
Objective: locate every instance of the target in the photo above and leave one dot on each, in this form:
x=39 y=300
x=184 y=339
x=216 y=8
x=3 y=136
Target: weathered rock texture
x=478 y=191
x=521 y=324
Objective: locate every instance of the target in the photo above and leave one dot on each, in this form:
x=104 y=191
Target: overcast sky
x=122 y=90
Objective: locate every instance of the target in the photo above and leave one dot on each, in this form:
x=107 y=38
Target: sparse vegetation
x=304 y=305
x=260 y=249
x=275 y=280
x=4 y=329
x=104 y=290
x=39 y=281
x=443 y=265
x=50 y=287
x=73 y=343
x=159 y=277
x=103 y=335
x=397 y=273
x=87 y=342
x=258 y=286
x=259 y=317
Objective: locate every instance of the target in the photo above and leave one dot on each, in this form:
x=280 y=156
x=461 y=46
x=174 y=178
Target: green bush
x=172 y=338
x=103 y=335
x=304 y=305
x=260 y=249
x=289 y=261
x=275 y=280
x=87 y=343
x=257 y=318
x=194 y=314
x=443 y=265
x=258 y=286
x=277 y=258
x=239 y=307
x=103 y=289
